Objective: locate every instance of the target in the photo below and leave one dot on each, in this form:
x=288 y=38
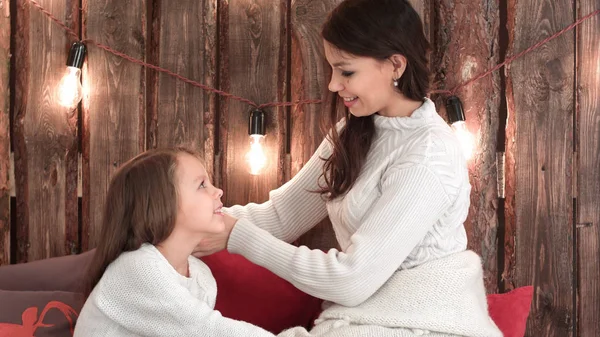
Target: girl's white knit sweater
x=141 y=294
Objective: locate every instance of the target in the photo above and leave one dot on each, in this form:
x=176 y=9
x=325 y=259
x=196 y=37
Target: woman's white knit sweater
x=141 y=294
x=406 y=208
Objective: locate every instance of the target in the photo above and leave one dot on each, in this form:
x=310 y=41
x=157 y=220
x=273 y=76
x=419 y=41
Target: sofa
x=43 y=298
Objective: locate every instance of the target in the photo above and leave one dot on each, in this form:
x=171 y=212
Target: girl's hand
x=215 y=242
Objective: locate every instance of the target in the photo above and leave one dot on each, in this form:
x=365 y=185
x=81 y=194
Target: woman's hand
x=215 y=242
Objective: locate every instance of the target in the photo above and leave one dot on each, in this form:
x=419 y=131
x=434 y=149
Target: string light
x=70 y=90
x=456 y=117
x=256 y=157
x=315 y=101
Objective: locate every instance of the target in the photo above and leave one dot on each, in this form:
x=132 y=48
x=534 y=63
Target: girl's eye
x=201 y=185
x=347 y=73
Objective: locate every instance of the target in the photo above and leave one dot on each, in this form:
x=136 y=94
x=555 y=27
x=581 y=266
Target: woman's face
x=365 y=84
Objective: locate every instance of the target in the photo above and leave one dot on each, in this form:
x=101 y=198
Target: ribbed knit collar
x=418 y=118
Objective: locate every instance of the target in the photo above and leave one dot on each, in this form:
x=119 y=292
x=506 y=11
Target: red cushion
x=251 y=293
x=510 y=310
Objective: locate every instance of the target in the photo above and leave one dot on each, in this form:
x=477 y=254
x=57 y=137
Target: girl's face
x=365 y=84
x=199 y=201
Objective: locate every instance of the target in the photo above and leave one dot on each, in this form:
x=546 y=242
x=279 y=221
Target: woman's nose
x=334 y=85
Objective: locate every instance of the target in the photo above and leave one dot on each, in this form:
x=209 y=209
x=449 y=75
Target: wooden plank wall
x=466 y=46
x=545 y=232
x=5 y=188
x=540 y=142
x=114 y=111
x=184 y=41
x=309 y=79
x=254 y=55
x=587 y=225
x=45 y=136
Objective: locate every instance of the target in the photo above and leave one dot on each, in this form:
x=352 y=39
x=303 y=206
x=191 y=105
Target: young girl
x=393 y=181
x=159 y=206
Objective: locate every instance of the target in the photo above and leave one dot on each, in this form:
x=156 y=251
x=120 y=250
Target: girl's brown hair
x=141 y=206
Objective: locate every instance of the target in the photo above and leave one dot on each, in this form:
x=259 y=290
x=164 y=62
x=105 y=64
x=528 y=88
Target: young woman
x=159 y=206
x=393 y=181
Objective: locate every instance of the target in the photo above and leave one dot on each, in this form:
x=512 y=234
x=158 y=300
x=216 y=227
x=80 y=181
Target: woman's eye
x=201 y=185
x=347 y=73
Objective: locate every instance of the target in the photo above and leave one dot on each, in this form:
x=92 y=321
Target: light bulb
x=69 y=89
x=456 y=115
x=466 y=139
x=256 y=157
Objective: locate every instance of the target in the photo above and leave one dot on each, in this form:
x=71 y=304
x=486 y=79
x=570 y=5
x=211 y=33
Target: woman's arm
x=292 y=209
x=412 y=200
x=148 y=302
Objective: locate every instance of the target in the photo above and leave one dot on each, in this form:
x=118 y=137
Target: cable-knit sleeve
x=294 y=208
x=412 y=199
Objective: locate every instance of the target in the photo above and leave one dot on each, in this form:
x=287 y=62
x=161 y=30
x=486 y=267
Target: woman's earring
x=395 y=83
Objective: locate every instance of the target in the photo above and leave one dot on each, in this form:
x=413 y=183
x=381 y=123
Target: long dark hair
x=376 y=29
x=141 y=206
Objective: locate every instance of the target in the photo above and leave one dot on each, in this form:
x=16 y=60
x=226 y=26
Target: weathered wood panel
x=4 y=132
x=114 y=103
x=309 y=80
x=186 y=44
x=588 y=174
x=253 y=61
x=467 y=45
x=539 y=203
x=423 y=7
x=45 y=142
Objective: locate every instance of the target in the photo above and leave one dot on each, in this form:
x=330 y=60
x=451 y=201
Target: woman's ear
x=399 y=63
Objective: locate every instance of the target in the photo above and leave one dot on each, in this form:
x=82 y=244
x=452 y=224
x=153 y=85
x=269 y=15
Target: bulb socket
x=256 y=122
x=454 y=109
x=76 y=55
